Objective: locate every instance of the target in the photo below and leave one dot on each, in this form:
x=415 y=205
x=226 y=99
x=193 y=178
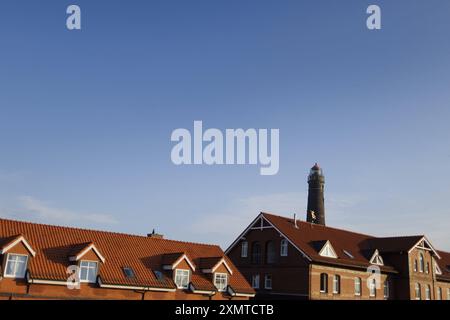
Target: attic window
x=377 y=259
x=348 y=254
x=328 y=251
x=129 y=273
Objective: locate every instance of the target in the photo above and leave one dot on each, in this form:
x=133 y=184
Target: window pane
x=83 y=273
x=10 y=266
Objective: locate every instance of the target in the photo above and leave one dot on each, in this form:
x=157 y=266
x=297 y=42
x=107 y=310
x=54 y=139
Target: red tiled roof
x=444 y=265
x=310 y=238
x=54 y=245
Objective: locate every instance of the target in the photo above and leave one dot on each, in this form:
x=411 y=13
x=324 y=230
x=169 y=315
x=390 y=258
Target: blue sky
x=86 y=116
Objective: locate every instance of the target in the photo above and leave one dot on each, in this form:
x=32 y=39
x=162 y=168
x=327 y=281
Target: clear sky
x=86 y=116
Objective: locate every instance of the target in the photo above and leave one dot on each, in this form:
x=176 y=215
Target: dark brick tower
x=316 y=203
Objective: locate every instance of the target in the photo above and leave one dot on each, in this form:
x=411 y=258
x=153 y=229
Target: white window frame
x=439 y=293
x=14 y=275
x=244 y=249
x=183 y=273
x=358 y=286
x=216 y=276
x=373 y=288
x=418 y=291
x=328 y=251
x=421 y=262
x=87 y=273
x=416 y=265
x=325 y=290
x=428 y=292
x=386 y=290
x=448 y=294
x=336 y=284
x=268 y=282
x=284 y=245
x=255 y=281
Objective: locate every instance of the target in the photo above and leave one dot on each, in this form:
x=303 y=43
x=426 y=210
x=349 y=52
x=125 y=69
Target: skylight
x=348 y=254
x=129 y=273
x=158 y=275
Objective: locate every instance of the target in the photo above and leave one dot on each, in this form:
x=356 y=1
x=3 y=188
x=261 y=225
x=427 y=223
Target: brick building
x=40 y=261
x=286 y=258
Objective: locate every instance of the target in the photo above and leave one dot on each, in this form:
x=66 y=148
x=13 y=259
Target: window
x=284 y=248
x=448 y=293
x=386 y=289
x=373 y=288
x=255 y=281
x=159 y=275
x=16 y=266
x=427 y=268
x=328 y=251
x=221 y=281
x=268 y=282
x=129 y=273
x=377 y=259
x=415 y=265
x=244 y=249
x=182 y=278
x=422 y=262
x=357 y=286
x=439 y=294
x=270 y=252
x=256 y=253
x=418 y=292
x=428 y=292
x=336 y=284
x=88 y=271
x=323 y=283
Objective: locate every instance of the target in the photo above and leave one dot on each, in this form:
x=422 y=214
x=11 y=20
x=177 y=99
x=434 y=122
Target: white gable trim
x=328 y=246
x=176 y=263
x=222 y=261
x=89 y=248
x=15 y=242
x=376 y=255
x=261 y=215
x=428 y=243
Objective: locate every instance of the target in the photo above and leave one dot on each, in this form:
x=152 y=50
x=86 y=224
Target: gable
x=18 y=244
x=328 y=251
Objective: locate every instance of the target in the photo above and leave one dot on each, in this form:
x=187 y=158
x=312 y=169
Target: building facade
x=50 y=262
x=290 y=259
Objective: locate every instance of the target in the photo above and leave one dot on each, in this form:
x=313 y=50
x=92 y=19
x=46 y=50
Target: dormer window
x=221 y=281
x=182 y=278
x=88 y=271
x=16 y=266
x=328 y=251
x=377 y=259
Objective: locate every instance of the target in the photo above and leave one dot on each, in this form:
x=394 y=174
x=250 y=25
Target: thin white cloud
x=42 y=210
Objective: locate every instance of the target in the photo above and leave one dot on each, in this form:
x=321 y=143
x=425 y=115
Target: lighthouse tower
x=316 y=202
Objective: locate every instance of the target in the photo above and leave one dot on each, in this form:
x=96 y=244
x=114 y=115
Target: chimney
x=295 y=221
x=155 y=235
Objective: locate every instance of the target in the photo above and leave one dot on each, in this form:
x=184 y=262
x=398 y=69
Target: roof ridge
x=321 y=226
x=105 y=232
